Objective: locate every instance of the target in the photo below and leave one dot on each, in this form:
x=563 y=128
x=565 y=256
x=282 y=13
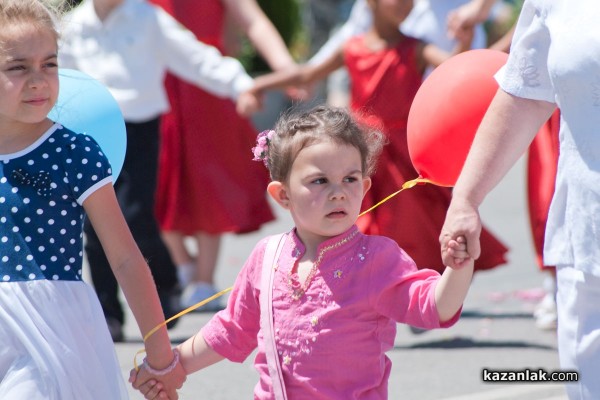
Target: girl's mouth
x=336 y=214
x=36 y=101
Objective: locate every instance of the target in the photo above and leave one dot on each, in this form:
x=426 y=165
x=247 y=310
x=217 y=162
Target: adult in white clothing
x=549 y=66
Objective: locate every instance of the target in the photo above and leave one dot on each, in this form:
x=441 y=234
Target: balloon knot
x=415 y=182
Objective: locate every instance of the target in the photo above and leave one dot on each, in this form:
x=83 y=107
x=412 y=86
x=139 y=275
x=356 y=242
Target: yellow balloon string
x=406 y=185
x=187 y=310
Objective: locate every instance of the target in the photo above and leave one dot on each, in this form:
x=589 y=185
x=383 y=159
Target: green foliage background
x=286 y=15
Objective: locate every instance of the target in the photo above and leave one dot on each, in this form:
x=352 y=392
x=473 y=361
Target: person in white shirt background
x=129 y=45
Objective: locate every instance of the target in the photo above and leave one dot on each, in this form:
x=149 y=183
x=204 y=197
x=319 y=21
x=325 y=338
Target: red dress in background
x=542 y=162
x=207 y=180
x=383 y=84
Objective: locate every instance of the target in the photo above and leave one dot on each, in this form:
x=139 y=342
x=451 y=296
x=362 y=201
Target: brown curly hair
x=296 y=130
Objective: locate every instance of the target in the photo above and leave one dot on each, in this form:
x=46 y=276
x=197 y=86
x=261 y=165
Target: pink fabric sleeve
x=233 y=331
x=404 y=293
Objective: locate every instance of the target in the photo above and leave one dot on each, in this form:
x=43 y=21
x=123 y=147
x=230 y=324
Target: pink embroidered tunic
x=346 y=317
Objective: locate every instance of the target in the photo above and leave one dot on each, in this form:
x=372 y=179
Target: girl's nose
x=337 y=193
x=37 y=80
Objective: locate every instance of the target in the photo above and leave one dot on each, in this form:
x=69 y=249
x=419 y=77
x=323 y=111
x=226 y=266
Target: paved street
x=496 y=330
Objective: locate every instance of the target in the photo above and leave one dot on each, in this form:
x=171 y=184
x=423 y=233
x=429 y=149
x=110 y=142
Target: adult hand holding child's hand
x=158 y=384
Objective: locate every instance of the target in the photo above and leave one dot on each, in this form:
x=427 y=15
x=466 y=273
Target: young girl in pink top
x=323 y=293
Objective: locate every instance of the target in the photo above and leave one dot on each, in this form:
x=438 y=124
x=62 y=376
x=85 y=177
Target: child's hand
x=466 y=16
x=458 y=250
x=158 y=387
x=300 y=93
x=151 y=389
x=248 y=103
x=464 y=36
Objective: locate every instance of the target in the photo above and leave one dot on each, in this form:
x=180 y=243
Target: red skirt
x=541 y=176
x=207 y=180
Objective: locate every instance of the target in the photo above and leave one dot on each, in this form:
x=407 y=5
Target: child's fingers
x=456 y=246
x=459 y=252
x=151 y=389
x=139 y=378
x=132 y=375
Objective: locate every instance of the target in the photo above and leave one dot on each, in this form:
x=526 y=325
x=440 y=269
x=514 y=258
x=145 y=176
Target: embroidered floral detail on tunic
x=298 y=289
x=308 y=331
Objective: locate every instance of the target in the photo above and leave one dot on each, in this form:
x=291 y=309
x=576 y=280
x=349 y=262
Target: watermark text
x=528 y=375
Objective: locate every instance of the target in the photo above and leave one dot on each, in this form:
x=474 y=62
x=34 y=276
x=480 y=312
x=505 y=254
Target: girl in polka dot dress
x=323 y=298
x=54 y=340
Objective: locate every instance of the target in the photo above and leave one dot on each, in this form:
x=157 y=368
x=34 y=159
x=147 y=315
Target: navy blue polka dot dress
x=54 y=336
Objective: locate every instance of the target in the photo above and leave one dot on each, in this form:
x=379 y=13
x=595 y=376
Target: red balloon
x=447 y=111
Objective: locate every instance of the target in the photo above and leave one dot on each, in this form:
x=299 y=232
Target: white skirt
x=55 y=344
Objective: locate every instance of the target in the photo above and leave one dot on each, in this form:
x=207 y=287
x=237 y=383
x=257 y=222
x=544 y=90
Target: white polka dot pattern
x=41 y=219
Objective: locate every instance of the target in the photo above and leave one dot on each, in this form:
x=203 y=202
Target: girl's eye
x=51 y=65
x=16 y=68
x=320 y=181
x=351 y=179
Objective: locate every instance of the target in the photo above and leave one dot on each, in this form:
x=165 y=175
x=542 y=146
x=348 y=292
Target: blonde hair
x=36 y=13
x=297 y=130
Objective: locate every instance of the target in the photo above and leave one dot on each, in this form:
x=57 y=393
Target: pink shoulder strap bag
x=272 y=252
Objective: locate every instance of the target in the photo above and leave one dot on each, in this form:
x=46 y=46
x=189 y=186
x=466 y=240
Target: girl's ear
x=278 y=192
x=366 y=185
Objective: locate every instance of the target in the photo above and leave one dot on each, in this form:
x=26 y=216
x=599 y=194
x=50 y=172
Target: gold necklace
x=299 y=289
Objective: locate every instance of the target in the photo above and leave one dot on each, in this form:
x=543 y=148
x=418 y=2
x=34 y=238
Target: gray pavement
x=496 y=330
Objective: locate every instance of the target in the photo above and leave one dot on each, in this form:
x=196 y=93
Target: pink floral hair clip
x=261 y=150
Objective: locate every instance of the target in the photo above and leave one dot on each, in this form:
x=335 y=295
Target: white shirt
x=551 y=61
x=132 y=49
x=426 y=22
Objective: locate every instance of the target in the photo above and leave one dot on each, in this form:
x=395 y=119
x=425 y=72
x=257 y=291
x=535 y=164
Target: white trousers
x=578 y=307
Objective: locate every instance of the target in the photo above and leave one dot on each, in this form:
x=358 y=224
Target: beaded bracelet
x=166 y=370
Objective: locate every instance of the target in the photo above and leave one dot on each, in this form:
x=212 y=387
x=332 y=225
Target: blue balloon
x=85 y=105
